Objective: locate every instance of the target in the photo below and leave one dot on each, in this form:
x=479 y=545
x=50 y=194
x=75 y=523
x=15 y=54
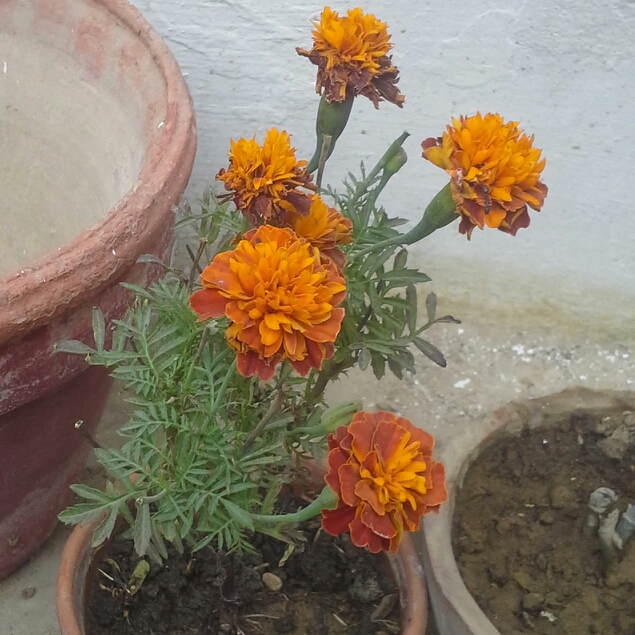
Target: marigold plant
x=495 y=172
x=381 y=468
x=291 y=286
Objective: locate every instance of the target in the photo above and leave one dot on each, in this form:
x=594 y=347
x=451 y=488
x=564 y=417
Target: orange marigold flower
x=324 y=227
x=280 y=297
x=351 y=54
x=264 y=180
x=381 y=468
x=495 y=172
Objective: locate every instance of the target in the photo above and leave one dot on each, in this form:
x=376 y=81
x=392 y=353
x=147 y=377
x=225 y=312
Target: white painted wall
x=564 y=69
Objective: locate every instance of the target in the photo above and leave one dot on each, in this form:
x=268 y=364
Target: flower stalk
x=327 y=499
x=329 y=124
x=441 y=211
x=339 y=416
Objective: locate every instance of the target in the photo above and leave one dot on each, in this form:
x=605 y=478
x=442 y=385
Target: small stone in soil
x=546 y=518
x=272 y=581
x=28 y=592
x=525 y=581
x=560 y=496
x=497 y=573
x=533 y=601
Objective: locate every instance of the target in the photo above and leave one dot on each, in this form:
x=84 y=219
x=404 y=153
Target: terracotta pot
x=104 y=124
x=80 y=561
x=454 y=608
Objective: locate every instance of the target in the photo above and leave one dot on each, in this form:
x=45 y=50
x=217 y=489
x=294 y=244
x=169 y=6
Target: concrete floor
x=489 y=365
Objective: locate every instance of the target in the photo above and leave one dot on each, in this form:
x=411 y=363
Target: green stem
x=331 y=120
x=324 y=154
x=274 y=409
x=381 y=164
x=142 y=500
x=326 y=500
x=197 y=357
x=339 y=416
x=218 y=402
x=440 y=212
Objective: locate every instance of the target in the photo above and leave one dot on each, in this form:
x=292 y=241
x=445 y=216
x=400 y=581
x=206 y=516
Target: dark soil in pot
x=328 y=587
x=518 y=529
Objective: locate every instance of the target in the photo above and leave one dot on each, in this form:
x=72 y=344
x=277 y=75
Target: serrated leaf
x=74 y=347
x=80 y=514
x=431 y=306
x=178 y=543
x=430 y=351
x=138 y=291
x=104 y=530
x=203 y=542
x=404 y=275
x=142 y=529
x=378 y=364
x=157 y=540
x=364 y=358
x=271 y=497
x=153 y=554
x=400 y=259
x=395 y=367
x=99 y=328
x=90 y=493
x=238 y=514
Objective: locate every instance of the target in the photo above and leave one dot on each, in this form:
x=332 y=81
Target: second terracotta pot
x=455 y=610
x=117 y=127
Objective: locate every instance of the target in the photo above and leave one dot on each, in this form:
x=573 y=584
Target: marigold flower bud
x=396 y=162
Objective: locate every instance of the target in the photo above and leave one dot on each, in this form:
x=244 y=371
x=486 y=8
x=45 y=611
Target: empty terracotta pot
x=102 y=137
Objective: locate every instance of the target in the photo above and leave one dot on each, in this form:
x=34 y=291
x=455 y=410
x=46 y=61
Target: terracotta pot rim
x=66 y=591
x=102 y=253
x=454 y=607
x=78 y=557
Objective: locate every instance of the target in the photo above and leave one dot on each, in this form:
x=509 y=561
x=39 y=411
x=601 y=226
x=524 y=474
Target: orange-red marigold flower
x=264 y=180
x=324 y=227
x=381 y=468
x=351 y=54
x=280 y=297
x=495 y=172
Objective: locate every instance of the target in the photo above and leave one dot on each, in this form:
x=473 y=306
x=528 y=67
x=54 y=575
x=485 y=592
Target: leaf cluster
x=184 y=472
x=382 y=305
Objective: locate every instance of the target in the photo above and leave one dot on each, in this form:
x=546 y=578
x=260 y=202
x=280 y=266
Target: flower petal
x=337 y=521
x=381 y=524
x=208 y=303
